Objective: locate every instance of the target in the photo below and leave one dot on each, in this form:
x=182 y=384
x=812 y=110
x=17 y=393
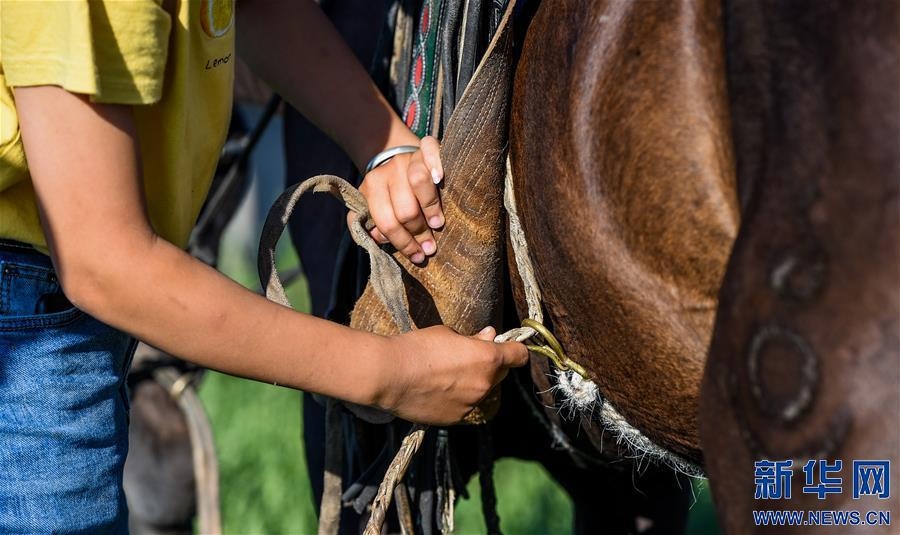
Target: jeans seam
x=19 y=275
x=21 y=269
x=4 y=294
x=42 y=321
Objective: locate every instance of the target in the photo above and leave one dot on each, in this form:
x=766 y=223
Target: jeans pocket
x=31 y=297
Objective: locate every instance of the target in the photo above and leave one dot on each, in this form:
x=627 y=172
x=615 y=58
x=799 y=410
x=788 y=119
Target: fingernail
x=436 y=221
x=417 y=258
x=485 y=330
x=429 y=247
x=435 y=176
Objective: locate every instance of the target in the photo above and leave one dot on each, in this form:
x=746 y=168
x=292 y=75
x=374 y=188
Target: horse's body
x=805 y=358
x=631 y=144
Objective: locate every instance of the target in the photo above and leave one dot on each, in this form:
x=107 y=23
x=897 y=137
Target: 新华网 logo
x=772 y=479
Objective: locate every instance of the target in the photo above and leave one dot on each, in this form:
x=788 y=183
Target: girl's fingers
x=431 y=153
x=382 y=210
x=409 y=214
x=375 y=233
x=405 y=202
x=378 y=236
x=426 y=193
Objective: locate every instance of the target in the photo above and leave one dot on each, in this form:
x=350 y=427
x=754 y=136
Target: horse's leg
x=804 y=360
x=616 y=501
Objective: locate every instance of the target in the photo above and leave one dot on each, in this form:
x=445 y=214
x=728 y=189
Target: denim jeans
x=63 y=406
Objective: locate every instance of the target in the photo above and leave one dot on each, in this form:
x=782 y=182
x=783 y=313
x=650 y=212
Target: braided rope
x=396 y=470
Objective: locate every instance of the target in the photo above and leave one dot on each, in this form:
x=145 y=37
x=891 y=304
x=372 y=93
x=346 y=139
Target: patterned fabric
x=418 y=111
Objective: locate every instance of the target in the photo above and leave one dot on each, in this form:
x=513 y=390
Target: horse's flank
x=621 y=151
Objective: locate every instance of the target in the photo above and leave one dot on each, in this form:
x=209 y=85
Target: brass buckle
x=548 y=346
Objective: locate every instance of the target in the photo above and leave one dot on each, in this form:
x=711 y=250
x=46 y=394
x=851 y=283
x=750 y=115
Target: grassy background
x=265 y=486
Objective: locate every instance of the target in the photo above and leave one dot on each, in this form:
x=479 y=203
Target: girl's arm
x=83 y=159
x=294 y=47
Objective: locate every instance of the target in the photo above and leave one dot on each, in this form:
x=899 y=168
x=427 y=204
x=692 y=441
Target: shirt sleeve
x=112 y=50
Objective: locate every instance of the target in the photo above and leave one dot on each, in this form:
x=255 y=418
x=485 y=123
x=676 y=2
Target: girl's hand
x=438 y=376
x=404 y=201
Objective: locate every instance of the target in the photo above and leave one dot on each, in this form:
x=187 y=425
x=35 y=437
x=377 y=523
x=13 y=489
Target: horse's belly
x=623 y=168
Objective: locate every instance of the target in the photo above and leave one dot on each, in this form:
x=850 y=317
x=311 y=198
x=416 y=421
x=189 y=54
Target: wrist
x=387 y=155
x=397 y=372
x=399 y=135
x=384 y=391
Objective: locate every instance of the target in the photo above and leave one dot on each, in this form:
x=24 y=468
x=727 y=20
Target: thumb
x=431 y=153
x=514 y=354
x=487 y=334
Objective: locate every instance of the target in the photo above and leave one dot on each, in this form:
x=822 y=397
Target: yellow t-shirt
x=172 y=59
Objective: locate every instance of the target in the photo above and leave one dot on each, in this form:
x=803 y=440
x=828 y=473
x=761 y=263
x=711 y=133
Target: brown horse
x=805 y=358
x=630 y=122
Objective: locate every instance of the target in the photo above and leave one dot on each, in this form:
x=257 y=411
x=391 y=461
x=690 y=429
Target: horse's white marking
x=782 y=271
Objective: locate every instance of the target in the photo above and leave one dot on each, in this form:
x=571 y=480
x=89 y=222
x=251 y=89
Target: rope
x=203 y=450
x=404 y=512
x=387 y=276
x=387 y=281
x=408 y=448
x=330 y=508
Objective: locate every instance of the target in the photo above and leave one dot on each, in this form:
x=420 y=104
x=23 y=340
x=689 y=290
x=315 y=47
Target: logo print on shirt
x=216 y=16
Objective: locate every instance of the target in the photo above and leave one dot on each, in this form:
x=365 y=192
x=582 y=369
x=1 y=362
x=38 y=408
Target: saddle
x=461 y=286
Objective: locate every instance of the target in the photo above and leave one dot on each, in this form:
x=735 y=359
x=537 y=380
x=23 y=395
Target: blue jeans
x=63 y=406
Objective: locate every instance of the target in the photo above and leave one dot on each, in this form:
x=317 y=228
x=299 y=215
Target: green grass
x=263 y=481
x=265 y=486
x=263 y=478
x=528 y=501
